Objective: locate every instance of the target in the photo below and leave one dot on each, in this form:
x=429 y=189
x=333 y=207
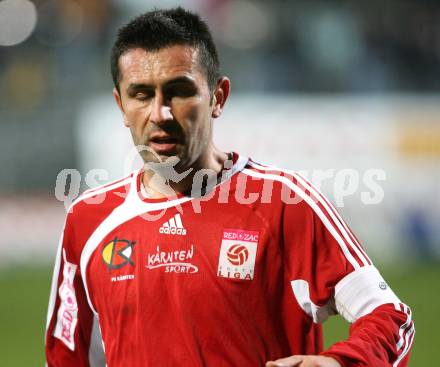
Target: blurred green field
x=24 y=295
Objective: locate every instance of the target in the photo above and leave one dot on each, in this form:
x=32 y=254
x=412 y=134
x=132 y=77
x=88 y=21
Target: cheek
x=196 y=113
x=136 y=111
x=137 y=119
x=196 y=117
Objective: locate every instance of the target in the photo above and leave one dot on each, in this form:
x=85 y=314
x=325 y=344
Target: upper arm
x=331 y=273
x=71 y=325
x=328 y=268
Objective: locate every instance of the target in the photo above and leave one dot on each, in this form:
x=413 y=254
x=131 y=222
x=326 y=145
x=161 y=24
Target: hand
x=304 y=361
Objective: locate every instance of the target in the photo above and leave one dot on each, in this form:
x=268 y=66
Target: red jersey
x=241 y=275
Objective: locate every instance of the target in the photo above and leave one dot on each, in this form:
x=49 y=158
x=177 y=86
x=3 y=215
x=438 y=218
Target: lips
x=163 y=143
x=164 y=139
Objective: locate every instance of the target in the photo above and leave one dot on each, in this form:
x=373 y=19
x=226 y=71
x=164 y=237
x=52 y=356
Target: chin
x=153 y=155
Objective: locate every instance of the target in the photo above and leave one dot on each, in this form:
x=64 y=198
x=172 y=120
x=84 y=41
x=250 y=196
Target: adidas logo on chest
x=173 y=226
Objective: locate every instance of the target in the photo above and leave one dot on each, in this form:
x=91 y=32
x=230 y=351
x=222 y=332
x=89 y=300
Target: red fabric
x=373 y=339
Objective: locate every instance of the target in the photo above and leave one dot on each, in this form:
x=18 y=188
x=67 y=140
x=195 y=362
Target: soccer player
x=207 y=258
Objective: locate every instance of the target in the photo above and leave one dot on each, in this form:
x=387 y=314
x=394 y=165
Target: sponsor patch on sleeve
x=67 y=316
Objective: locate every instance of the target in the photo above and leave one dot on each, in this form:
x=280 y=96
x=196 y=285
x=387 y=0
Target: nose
x=160 y=110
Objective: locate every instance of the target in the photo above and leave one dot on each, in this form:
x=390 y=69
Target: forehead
x=138 y=65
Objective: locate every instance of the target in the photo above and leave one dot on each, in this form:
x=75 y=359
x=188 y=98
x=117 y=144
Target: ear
x=220 y=95
x=118 y=101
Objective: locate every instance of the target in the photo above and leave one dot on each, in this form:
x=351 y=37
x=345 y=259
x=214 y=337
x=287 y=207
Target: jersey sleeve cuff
x=360 y=292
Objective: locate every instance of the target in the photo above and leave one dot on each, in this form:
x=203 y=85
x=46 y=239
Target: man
x=207 y=259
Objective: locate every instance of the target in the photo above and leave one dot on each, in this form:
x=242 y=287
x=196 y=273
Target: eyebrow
x=180 y=79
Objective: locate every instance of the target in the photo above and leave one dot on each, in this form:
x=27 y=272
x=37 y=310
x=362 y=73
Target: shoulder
x=291 y=187
x=91 y=209
x=104 y=197
x=287 y=178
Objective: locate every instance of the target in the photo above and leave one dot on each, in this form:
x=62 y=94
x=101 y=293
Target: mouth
x=164 y=143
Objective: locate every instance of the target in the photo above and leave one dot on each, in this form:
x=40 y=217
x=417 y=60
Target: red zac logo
x=118 y=253
x=237 y=254
x=67 y=294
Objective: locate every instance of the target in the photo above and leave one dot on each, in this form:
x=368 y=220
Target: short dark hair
x=158 y=29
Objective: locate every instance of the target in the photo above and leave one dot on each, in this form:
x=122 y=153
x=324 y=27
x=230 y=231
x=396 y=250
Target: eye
x=140 y=93
x=181 y=90
x=143 y=96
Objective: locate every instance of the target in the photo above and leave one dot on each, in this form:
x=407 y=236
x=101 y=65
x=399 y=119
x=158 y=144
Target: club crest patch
x=118 y=253
x=237 y=254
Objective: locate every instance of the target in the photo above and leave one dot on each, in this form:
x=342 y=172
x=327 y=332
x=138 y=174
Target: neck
x=160 y=184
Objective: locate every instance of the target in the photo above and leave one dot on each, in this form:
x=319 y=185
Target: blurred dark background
x=313 y=47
